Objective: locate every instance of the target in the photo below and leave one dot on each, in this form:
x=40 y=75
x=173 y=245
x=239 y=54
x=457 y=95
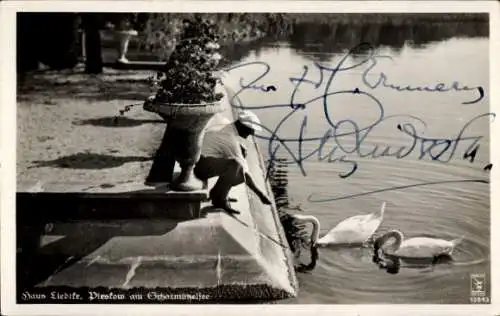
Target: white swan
x=354 y=230
x=414 y=248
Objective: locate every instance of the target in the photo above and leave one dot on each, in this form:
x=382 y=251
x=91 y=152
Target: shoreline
x=242 y=29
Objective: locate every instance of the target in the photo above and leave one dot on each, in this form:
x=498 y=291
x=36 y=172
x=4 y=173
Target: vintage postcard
x=319 y=157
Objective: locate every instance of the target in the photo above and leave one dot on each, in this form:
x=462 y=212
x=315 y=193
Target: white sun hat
x=250 y=120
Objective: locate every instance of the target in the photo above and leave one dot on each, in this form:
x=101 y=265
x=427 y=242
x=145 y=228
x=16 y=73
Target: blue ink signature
x=370 y=58
x=330 y=199
x=260 y=87
x=437 y=149
x=438 y=87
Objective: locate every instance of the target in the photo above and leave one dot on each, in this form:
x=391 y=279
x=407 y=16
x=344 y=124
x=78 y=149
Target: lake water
x=450 y=210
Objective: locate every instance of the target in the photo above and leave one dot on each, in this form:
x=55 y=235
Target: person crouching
x=223 y=155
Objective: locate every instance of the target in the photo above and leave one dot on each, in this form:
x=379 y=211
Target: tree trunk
x=93 y=51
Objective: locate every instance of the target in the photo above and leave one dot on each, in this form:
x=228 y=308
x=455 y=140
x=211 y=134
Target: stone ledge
x=123 y=238
x=120 y=190
x=230 y=258
x=75 y=206
x=105 y=201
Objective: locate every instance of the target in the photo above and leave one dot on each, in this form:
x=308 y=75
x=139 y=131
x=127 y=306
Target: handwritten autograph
x=436 y=149
x=382 y=81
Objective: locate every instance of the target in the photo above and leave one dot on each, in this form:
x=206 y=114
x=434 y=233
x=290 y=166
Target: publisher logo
x=478 y=284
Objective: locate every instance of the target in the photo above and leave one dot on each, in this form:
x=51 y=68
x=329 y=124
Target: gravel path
x=67 y=131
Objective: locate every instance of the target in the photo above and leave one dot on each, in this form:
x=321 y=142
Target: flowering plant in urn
x=189 y=95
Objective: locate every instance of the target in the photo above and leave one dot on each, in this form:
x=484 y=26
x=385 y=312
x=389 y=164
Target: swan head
x=314 y=240
x=315 y=224
x=390 y=264
x=314 y=260
x=393 y=265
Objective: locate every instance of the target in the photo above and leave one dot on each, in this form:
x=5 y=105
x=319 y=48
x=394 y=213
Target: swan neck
x=315 y=231
x=399 y=238
x=315 y=226
x=382 y=210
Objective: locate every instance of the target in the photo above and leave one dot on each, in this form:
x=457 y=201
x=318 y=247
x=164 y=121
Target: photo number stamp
x=478 y=289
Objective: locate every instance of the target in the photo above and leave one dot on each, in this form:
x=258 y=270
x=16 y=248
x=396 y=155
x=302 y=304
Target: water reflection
x=335 y=38
x=349 y=276
x=317 y=41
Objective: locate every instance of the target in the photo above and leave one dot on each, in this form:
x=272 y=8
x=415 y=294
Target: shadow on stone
x=84 y=87
x=162 y=187
x=116 y=121
x=101 y=186
x=157 y=187
x=88 y=161
x=80 y=240
x=211 y=209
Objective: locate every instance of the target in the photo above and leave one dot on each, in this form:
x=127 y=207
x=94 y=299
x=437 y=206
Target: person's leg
x=231 y=174
x=208 y=167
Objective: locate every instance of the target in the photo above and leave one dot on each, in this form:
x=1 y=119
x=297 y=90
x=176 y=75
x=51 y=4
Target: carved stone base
x=187 y=181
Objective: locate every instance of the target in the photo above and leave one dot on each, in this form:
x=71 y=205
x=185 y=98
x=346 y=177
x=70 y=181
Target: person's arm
x=251 y=184
x=241 y=153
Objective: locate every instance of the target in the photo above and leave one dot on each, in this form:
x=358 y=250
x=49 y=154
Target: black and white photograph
x=288 y=157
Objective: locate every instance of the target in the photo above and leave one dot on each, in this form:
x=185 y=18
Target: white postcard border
x=8 y=151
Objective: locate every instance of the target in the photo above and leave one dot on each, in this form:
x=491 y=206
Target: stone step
x=84 y=238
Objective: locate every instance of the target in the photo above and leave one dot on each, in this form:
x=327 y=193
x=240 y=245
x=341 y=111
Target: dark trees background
x=50 y=38
x=55 y=39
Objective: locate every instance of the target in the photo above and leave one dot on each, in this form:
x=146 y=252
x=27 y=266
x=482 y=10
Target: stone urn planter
x=124 y=37
x=186 y=124
x=189 y=96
